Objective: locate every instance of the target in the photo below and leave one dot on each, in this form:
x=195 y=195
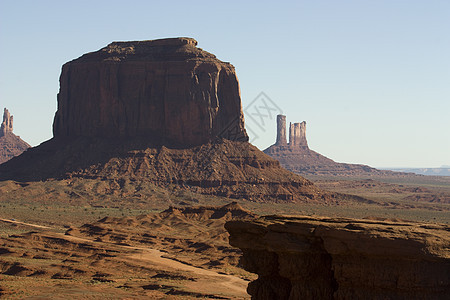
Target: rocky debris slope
x=195 y=235
x=224 y=168
x=299 y=257
x=296 y=156
x=11 y=145
x=167 y=90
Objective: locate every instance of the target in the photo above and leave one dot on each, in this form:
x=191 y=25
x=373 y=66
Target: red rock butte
x=296 y=156
x=162 y=112
x=167 y=90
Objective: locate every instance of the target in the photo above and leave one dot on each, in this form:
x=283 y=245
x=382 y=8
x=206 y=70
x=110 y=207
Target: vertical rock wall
x=168 y=91
x=324 y=258
x=297 y=133
x=302 y=135
x=281 y=130
x=291 y=134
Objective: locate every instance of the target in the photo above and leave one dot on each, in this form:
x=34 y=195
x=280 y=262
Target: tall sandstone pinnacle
x=298 y=158
x=10 y=144
x=7 y=124
x=297 y=135
x=281 y=130
x=167 y=90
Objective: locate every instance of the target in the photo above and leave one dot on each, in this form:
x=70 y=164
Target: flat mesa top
x=170 y=49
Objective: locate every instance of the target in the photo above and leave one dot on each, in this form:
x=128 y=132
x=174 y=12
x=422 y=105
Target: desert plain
x=131 y=197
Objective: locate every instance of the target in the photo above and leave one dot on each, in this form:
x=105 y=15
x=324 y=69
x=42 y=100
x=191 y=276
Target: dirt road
x=23 y=223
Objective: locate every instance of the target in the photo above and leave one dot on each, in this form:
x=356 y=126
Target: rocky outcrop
x=224 y=168
x=324 y=258
x=298 y=158
x=165 y=90
x=7 y=124
x=10 y=144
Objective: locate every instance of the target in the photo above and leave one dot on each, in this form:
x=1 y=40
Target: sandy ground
x=205 y=282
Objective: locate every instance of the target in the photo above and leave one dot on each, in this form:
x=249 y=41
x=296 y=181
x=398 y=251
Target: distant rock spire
x=7 y=124
x=291 y=134
x=302 y=134
x=281 y=130
x=297 y=133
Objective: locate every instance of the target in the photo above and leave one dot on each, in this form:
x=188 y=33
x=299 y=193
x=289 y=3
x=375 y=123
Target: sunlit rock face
x=166 y=90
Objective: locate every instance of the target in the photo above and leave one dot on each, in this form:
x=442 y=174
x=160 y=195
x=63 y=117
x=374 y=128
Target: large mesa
x=162 y=112
x=165 y=90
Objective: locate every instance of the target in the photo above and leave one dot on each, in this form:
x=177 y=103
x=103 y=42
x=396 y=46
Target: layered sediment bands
x=325 y=258
x=224 y=168
x=165 y=90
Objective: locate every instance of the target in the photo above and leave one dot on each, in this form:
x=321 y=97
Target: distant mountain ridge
x=442 y=171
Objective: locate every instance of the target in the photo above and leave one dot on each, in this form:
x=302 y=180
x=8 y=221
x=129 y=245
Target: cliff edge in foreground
x=299 y=257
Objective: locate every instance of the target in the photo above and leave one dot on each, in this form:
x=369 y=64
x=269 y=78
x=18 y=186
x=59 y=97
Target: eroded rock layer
x=224 y=168
x=325 y=258
x=167 y=90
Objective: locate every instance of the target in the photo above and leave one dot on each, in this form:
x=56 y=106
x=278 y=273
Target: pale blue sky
x=370 y=78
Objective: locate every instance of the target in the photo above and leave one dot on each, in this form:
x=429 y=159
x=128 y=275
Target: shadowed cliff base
x=299 y=257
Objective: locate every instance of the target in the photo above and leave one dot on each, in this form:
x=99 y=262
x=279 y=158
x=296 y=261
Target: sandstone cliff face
x=10 y=144
x=297 y=135
x=324 y=258
x=166 y=90
x=281 y=130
